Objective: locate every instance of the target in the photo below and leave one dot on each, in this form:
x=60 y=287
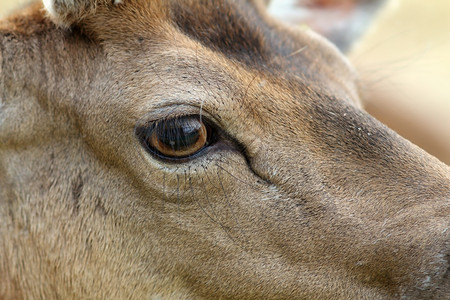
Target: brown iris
x=178 y=137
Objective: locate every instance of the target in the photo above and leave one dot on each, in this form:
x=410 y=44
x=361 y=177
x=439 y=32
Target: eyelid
x=176 y=110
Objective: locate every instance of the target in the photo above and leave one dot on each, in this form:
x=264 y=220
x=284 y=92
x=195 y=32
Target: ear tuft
x=48 y=4
x=67 y=12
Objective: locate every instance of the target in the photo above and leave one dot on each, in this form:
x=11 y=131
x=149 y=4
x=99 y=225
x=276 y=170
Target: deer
x=203 y=150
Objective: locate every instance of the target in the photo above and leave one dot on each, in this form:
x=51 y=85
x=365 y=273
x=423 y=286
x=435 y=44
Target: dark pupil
x=179 y=134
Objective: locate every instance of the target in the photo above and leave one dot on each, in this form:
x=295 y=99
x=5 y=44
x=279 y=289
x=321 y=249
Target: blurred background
x=401 y=50
x=7 y=6
x=404 y=62
x=402 y=55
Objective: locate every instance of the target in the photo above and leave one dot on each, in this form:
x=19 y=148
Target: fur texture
x=304 y=196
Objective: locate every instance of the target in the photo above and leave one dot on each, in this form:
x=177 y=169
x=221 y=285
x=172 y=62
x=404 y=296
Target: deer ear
x=67 y=12
x=341 y=21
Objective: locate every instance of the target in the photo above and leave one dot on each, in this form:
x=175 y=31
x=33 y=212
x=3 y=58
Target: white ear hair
x=66 y=12
x=49 y=6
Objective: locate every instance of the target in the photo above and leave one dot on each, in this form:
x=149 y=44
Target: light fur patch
x=49 y=6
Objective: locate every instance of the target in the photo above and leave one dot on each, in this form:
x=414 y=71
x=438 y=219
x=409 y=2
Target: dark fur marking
x=341 y=126
x=221 y=27
x=100 y=208
x=77 y=189
x=238 y=31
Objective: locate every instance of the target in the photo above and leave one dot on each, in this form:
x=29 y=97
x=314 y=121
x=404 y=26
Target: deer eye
x=177 y=138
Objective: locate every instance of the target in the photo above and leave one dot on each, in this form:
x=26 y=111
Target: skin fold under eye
x=176 y=138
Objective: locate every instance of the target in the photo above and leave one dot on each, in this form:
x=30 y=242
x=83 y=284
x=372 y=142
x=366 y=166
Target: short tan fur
x=302 y=196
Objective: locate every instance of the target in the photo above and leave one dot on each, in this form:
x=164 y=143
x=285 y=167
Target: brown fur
x=307 y=196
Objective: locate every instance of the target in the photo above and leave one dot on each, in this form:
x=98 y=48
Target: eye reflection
x=177 y=138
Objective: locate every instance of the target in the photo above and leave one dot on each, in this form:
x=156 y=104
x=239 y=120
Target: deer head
x=200 y=149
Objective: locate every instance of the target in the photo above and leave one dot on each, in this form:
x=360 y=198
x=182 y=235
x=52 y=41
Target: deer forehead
x=237 y=30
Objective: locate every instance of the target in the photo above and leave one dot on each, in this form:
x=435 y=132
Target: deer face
x=185 y=149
